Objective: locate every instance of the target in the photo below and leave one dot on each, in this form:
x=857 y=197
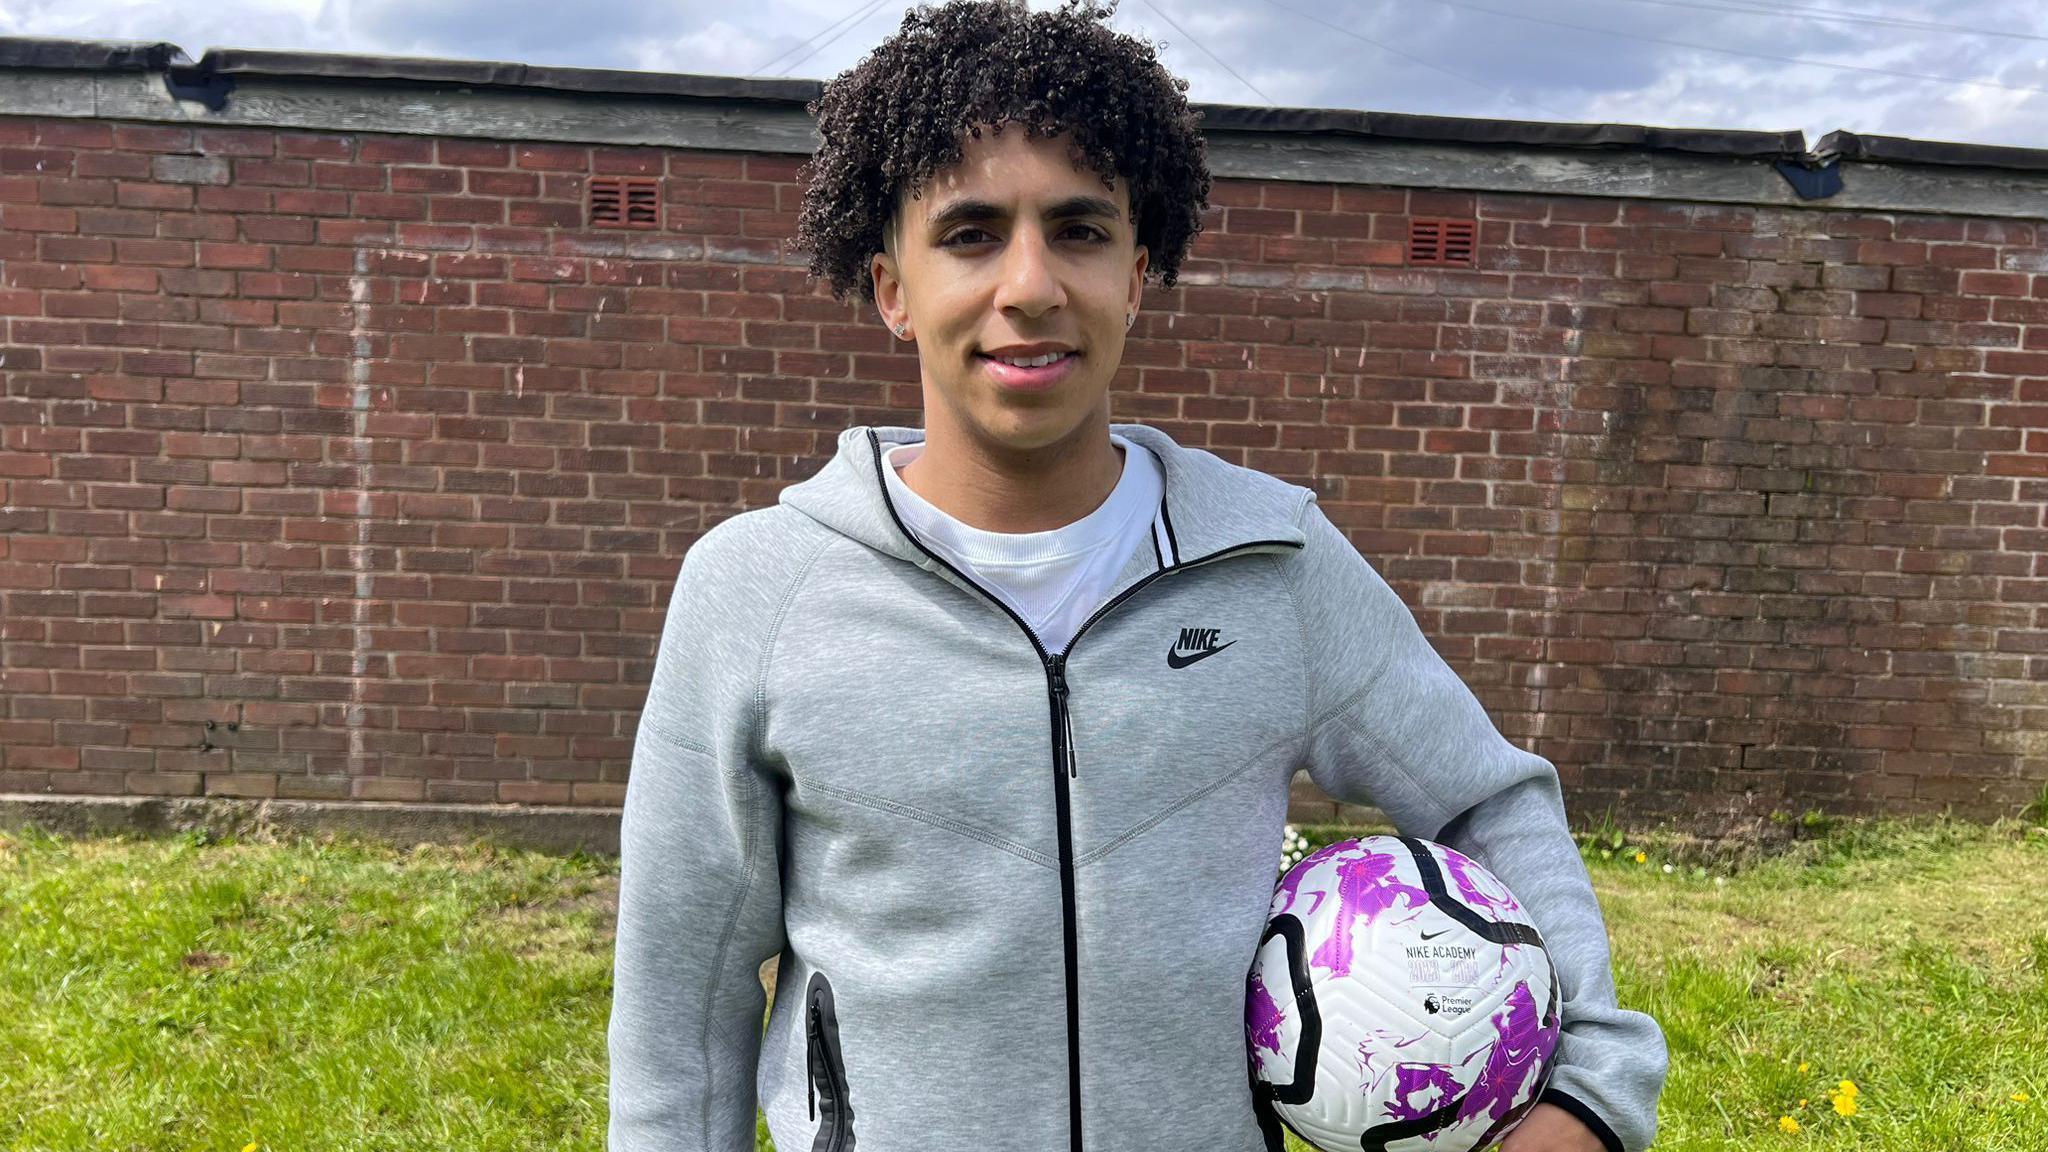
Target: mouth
x=1031 y=378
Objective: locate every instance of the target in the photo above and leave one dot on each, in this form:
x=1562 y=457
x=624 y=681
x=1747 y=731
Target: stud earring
x=899 y=331
x=1130 y=318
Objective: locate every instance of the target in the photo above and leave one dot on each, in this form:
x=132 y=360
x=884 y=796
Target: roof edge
x=218 y=69
x=90 y=55
x=1476 y=130
x=1908 y=150
x=496 y=74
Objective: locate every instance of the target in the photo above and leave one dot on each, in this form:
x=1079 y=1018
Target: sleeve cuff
x=1585 y=1116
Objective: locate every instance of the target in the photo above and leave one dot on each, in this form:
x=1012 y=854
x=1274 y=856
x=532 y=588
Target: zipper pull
x=1059 y=687
x=811 y=1065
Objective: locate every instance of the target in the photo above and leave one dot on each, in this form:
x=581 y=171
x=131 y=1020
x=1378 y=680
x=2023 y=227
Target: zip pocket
x=826 y=1068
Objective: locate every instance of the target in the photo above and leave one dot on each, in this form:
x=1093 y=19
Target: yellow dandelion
x=1802 y=1101
x=2018 y=1097
x=249 y=1147
x=1802 y=1065
x=1642 y=858
x=1785 y=1123
x=1848 y=1088
x=1846 y=1105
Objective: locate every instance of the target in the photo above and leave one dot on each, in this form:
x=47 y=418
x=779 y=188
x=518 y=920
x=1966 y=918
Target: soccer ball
x=1399 y=1001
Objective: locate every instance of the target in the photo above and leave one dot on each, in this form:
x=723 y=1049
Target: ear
x=889 y=295
x=1138 y=266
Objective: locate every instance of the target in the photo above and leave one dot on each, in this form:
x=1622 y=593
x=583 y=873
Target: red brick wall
x=339 y=465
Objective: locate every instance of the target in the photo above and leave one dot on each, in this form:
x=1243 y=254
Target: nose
x=1029 y=281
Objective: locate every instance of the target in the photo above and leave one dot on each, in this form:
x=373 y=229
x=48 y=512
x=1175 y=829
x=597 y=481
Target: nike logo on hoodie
x=1194 y=644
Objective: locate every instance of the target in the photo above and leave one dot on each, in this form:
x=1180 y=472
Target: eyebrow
x=971 y=209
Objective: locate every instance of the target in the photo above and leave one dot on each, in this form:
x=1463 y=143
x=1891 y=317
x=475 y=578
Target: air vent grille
x=625 y=202
x=1435 y=242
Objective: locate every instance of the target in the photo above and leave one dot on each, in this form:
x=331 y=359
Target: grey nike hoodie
x=1016 y=894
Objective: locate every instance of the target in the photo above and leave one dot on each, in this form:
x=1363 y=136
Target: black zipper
x=1063 y=755
x=821 y=1046
x=1063 y=735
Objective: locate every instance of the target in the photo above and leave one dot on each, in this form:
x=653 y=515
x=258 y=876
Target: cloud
x=1626 y=61
x=261 y=24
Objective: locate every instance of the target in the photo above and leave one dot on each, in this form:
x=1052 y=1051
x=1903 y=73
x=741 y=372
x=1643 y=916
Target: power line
x=1453 y=73
x=1739 y=52
x=1807 y=12
x=851 y=14
x=865 y=17
x=1218 y=59
x=861 y=12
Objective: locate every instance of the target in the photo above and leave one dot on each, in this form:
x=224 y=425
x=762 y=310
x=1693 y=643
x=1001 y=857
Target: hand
x=1548 y=1128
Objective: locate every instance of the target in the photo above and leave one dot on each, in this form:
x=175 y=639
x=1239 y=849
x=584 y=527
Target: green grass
x=186 y=994
x=177 y=995
x=1908 y=957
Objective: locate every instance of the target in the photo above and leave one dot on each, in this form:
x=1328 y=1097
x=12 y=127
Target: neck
x=1000 y=489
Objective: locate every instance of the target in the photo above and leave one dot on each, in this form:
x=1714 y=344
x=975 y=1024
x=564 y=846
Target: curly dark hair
x=903 y=113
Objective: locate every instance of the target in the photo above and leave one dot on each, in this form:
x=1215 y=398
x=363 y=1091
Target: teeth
x=1033 y=362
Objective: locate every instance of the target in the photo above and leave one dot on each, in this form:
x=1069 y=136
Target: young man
x=987 y=728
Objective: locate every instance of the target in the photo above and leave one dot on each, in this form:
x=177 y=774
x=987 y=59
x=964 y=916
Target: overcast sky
x=1688 y=63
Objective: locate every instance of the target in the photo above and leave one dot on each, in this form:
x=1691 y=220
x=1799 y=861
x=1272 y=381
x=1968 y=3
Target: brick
x=190 y=170
x=553 y=157
x=1261 y=222
x=331 y=433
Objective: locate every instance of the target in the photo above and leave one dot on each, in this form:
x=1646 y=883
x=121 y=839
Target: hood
x=1209 y=504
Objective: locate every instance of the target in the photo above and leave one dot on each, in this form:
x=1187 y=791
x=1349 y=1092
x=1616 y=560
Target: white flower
x=1293 y=847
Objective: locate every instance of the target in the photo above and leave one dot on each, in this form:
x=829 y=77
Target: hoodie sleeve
x=1391 y=724
x=700 y=894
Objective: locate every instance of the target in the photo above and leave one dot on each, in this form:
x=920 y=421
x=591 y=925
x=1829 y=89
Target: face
x=1013 y=247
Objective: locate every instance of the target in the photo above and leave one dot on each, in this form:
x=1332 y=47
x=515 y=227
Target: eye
x=1096 y=235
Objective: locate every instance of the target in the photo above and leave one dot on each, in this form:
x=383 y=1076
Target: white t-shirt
x=1056 y=579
